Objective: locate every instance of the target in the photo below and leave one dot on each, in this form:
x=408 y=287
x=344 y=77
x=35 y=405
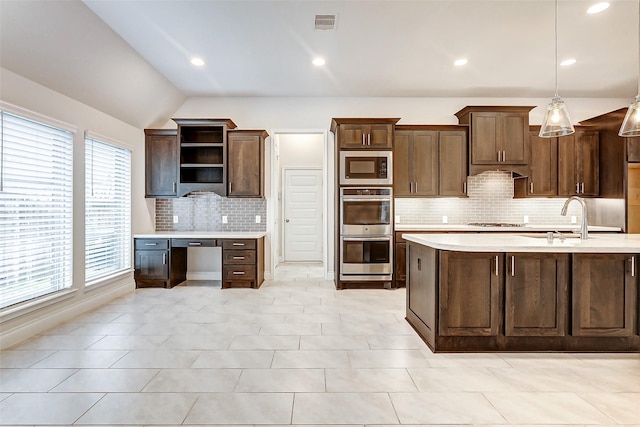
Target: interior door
x=302 y=197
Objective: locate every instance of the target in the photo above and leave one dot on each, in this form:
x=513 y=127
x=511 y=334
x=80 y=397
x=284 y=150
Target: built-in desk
x=161 y=258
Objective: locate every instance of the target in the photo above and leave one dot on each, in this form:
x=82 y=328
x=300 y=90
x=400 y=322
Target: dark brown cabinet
x=363 y=133
x=415 y=163
x=429 y=162
x=156 y=265
x=498 y=135
x=543 y=165
x=536 y=286
x=578 y=164
x=203 y=153
x=470 y=301
x=421 y=301
x=242 y=263
x=161 y=162
x=246 y=163
x=605 y=301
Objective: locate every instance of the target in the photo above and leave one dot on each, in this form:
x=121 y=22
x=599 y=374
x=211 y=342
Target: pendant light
x=631 y=124
x=556 y=120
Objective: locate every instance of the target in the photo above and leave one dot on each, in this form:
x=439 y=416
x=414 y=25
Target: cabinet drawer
x=238 y=244
x=191 y=243
x=239 y=272
x=239 y=257
x=151 y=243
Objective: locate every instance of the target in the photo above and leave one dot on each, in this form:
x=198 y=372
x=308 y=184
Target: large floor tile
x=128 y=343
x=81 y=359
x=343 y=408
x=369 y=380
x=32 y=380
x=158 y=359
x=241 y=408
x=234 y=359
x=291 y=329
x=456 y=379
x=445 y=408
x=61 y=342
x=623 y=408
x=281 y=380
x=310 y=359
x=107 y=380
x=336 y=342
x=387 y=359
x=46 y=408
x=265 y=343
x=140 y=408
x=194 y=380
x=22 y=358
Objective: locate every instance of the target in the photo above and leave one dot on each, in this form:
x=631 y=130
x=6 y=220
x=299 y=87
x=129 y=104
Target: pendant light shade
x=556 y=121
x=631 y=124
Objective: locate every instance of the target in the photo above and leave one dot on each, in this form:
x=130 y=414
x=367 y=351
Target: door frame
x=281 y=257
x=274 y=226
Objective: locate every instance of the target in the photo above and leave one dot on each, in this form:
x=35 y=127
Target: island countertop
x=502 y=229
x=527 y=242
x=201 y=235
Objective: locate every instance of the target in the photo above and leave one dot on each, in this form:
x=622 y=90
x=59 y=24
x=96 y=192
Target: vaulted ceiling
x=130 y=58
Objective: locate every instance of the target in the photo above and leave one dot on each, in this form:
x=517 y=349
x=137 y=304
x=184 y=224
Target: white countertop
x=527 y=242
x=201 y=235
x=528 y=227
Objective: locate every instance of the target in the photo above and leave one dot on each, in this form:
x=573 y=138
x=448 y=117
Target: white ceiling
x=389 y=48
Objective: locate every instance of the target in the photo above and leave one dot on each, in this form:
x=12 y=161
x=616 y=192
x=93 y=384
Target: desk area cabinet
x=161 y=260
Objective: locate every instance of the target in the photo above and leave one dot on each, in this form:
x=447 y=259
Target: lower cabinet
x=470 y=290
x=605 y=301
x=536 y=288
x=242 y=263
x=156 y=265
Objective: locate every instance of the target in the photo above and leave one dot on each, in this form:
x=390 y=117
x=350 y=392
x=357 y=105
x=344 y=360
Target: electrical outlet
x=224 y=219
x=397 y=219
x=445 y=220
x=257 y=219
x=574 y=219
x=175 y=219
x=526 y=219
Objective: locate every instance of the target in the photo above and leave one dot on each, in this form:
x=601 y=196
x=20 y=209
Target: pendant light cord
x=638 y=47
x=556 y=36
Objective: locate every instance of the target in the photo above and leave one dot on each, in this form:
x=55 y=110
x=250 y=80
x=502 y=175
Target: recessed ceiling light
x=318 y=61
x=598 y=7
x=568 y=62
x=460 y=62
x=198 y=62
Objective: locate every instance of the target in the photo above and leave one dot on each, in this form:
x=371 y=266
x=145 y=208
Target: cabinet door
x=604 y=299
x=453 y=163
x=536 y=294
x=543 y=178
x=401 y=264
x=380 y=136
x=470 y=302
x=588 y=148
x=402 y=166
x=567 y=167
x=485 y=138
x=351 y=136
x=422 y=287
x=161 y=163
x=514 y=138
x=245 y=155
x=425 y=163
x=152 y=265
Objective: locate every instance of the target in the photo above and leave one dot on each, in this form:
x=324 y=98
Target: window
x=36 y=194
x=107 y=210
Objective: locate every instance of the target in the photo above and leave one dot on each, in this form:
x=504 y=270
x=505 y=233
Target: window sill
x=30 y=306
x=107 y=280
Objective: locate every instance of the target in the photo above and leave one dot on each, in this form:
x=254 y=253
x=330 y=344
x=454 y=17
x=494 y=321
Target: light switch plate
x=445 y=220
x=257 y=219
x=175 y=219
x=526 y=219
x=224 y=219
x=397 y=219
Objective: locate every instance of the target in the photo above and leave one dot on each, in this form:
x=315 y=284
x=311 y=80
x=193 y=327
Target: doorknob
x=286 y=220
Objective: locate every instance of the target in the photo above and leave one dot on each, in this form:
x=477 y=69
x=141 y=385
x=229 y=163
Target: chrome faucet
x=584 y=231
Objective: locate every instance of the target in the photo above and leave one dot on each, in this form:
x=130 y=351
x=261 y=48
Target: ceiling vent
x=325 y=22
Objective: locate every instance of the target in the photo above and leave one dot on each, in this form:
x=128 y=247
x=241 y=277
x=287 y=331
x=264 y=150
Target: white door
x=302 y=196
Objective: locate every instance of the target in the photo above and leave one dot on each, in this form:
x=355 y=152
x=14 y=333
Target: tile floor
x=295 y=351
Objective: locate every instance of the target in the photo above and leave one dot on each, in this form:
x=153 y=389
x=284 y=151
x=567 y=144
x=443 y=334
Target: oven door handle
x=367 y=239
x=364 y=199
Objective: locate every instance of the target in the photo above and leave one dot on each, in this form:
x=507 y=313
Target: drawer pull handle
x=513 y=265
x=195 y=243
x=633 y=266
x=239 y=257
x=164 y=258
x=497 y=265
x=531 y=187
x=238 y=273
x=238 y=244
x=151 y=244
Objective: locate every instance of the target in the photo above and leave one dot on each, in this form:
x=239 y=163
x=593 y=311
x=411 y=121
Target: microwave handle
x=367 y=239
x=364 y=199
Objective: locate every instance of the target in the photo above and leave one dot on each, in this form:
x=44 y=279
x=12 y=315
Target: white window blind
x=36 y=195
x=107 y=210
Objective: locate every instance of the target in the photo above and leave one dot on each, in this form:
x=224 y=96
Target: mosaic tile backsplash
x=201 y=211
x=490 y=200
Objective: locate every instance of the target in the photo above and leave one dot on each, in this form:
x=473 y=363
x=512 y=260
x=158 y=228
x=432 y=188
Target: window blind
x=36 y=221
x=107 y=210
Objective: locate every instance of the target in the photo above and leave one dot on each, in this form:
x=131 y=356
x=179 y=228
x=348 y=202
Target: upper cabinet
x=498 y=137
x=203 y=151
x=429 y=161
x=246 y=163
x=578 y=164
x=161 y=162
x=358 y=133
x=543 y=165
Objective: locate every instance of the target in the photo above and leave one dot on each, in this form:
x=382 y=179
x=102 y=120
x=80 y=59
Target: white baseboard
x=205 y=275
x=29 y=328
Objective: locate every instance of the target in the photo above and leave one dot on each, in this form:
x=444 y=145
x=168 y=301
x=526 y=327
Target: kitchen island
x=520 y=292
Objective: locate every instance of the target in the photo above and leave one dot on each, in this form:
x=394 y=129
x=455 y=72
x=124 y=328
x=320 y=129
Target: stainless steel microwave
x=366 y=168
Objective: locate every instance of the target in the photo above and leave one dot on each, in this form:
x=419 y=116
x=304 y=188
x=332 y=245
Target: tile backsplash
x=202 y=211
x=490 y=200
